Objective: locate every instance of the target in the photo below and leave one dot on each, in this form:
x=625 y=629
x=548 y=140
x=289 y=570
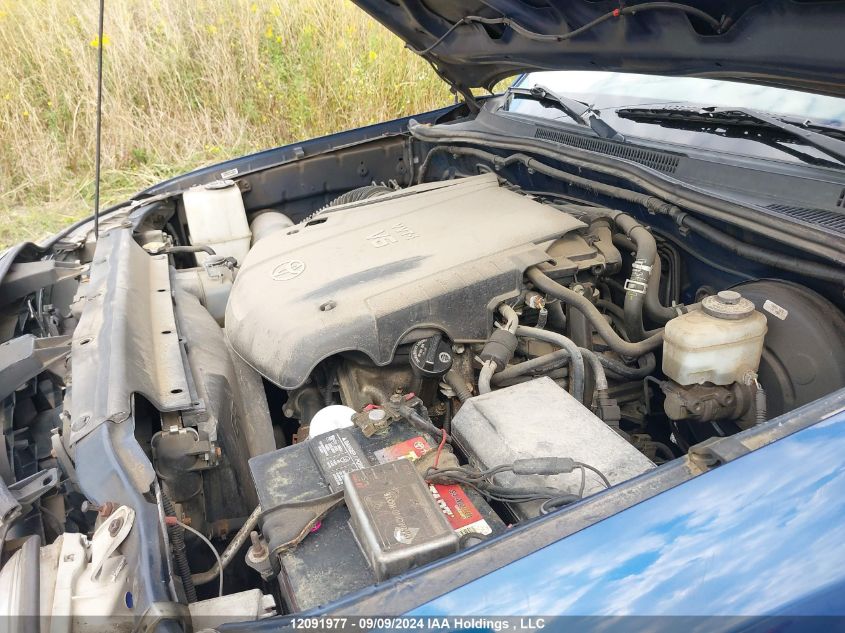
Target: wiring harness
x=483 y=482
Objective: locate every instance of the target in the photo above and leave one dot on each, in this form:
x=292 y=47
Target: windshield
x=607 y=92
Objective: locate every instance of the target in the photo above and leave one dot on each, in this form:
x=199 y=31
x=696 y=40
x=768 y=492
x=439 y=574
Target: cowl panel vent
x=830 y=220
x=659 y=161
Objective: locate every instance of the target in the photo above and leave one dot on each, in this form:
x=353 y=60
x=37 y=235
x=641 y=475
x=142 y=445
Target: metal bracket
x=17 y=499
x=716 y=451
x=126 y=341
x=161 y=611
x=27 y=491
x=26 y=356
x=24 y=279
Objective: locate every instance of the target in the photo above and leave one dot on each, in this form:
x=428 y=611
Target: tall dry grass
x=187 y=82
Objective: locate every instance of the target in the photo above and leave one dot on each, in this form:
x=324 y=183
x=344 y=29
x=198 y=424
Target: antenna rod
x=99 y=123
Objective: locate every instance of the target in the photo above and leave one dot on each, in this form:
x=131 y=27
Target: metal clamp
x=637 y=287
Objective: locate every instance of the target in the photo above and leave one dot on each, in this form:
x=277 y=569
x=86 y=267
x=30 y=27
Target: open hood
x=475 y=43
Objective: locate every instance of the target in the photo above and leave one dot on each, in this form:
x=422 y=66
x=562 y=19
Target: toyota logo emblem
x=288 y=270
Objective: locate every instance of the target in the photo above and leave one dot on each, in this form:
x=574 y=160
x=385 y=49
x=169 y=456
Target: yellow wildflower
x=95 y=43
x=372 y=56
x=269 y=33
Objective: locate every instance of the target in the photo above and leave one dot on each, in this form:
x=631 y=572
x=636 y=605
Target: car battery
x=329 y=563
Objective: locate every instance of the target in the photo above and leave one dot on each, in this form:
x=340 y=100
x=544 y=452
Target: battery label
x=461 y=513
x=411 y=449
x=337 y=453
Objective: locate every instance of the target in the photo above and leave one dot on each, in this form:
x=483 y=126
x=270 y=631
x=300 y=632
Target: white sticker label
x=229 y=173
x=775 y=310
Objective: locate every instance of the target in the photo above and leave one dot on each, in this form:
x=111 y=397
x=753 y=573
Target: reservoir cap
x=727 y=304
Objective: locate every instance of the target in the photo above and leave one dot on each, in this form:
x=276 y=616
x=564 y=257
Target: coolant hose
x=596 y=318
x=641 y=274
x=177 y=544
x=576 y=358
x=642 y=291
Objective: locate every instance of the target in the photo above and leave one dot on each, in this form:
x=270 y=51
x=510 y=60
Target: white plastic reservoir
x=217 y=218
x=331 y=418
x=720 y=343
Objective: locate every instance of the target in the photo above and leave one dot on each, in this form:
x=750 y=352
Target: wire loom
x=482 y=481
x=718 y=26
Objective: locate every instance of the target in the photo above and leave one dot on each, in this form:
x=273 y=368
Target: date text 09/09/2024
x=418 y=623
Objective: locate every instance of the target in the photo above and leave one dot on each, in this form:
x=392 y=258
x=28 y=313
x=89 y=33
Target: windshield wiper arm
x=739 y=116
x=576 y=110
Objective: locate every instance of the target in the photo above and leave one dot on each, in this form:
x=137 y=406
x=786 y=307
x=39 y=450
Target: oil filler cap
x=727 y=304
x=431 y=357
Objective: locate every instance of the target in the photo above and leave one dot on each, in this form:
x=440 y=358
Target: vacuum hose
x=582 y=304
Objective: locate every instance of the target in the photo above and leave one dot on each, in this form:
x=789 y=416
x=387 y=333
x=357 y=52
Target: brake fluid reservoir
x=720 y=343
x=217 y=218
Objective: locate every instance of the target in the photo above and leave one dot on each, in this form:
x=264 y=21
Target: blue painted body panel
x=761 y=535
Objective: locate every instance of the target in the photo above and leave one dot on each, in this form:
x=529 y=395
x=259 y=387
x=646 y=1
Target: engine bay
x=308 y=399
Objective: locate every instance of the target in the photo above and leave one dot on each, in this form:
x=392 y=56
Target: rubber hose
x=458 y=385
x=697 y=201
x=761 y=255
x=576 y=359
x=177 y=545
x=596 y=318
x=597 y=368
x=622 y=241
x=611 y=307
x=659 y=447
x=647 y=363
x=485 y=376
x=558 y=375
x=538 y=365
x=641 y=274
x=557 y=318
x=654 y=310
x=646 y=270
x=511 y=317
x=649 y=202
